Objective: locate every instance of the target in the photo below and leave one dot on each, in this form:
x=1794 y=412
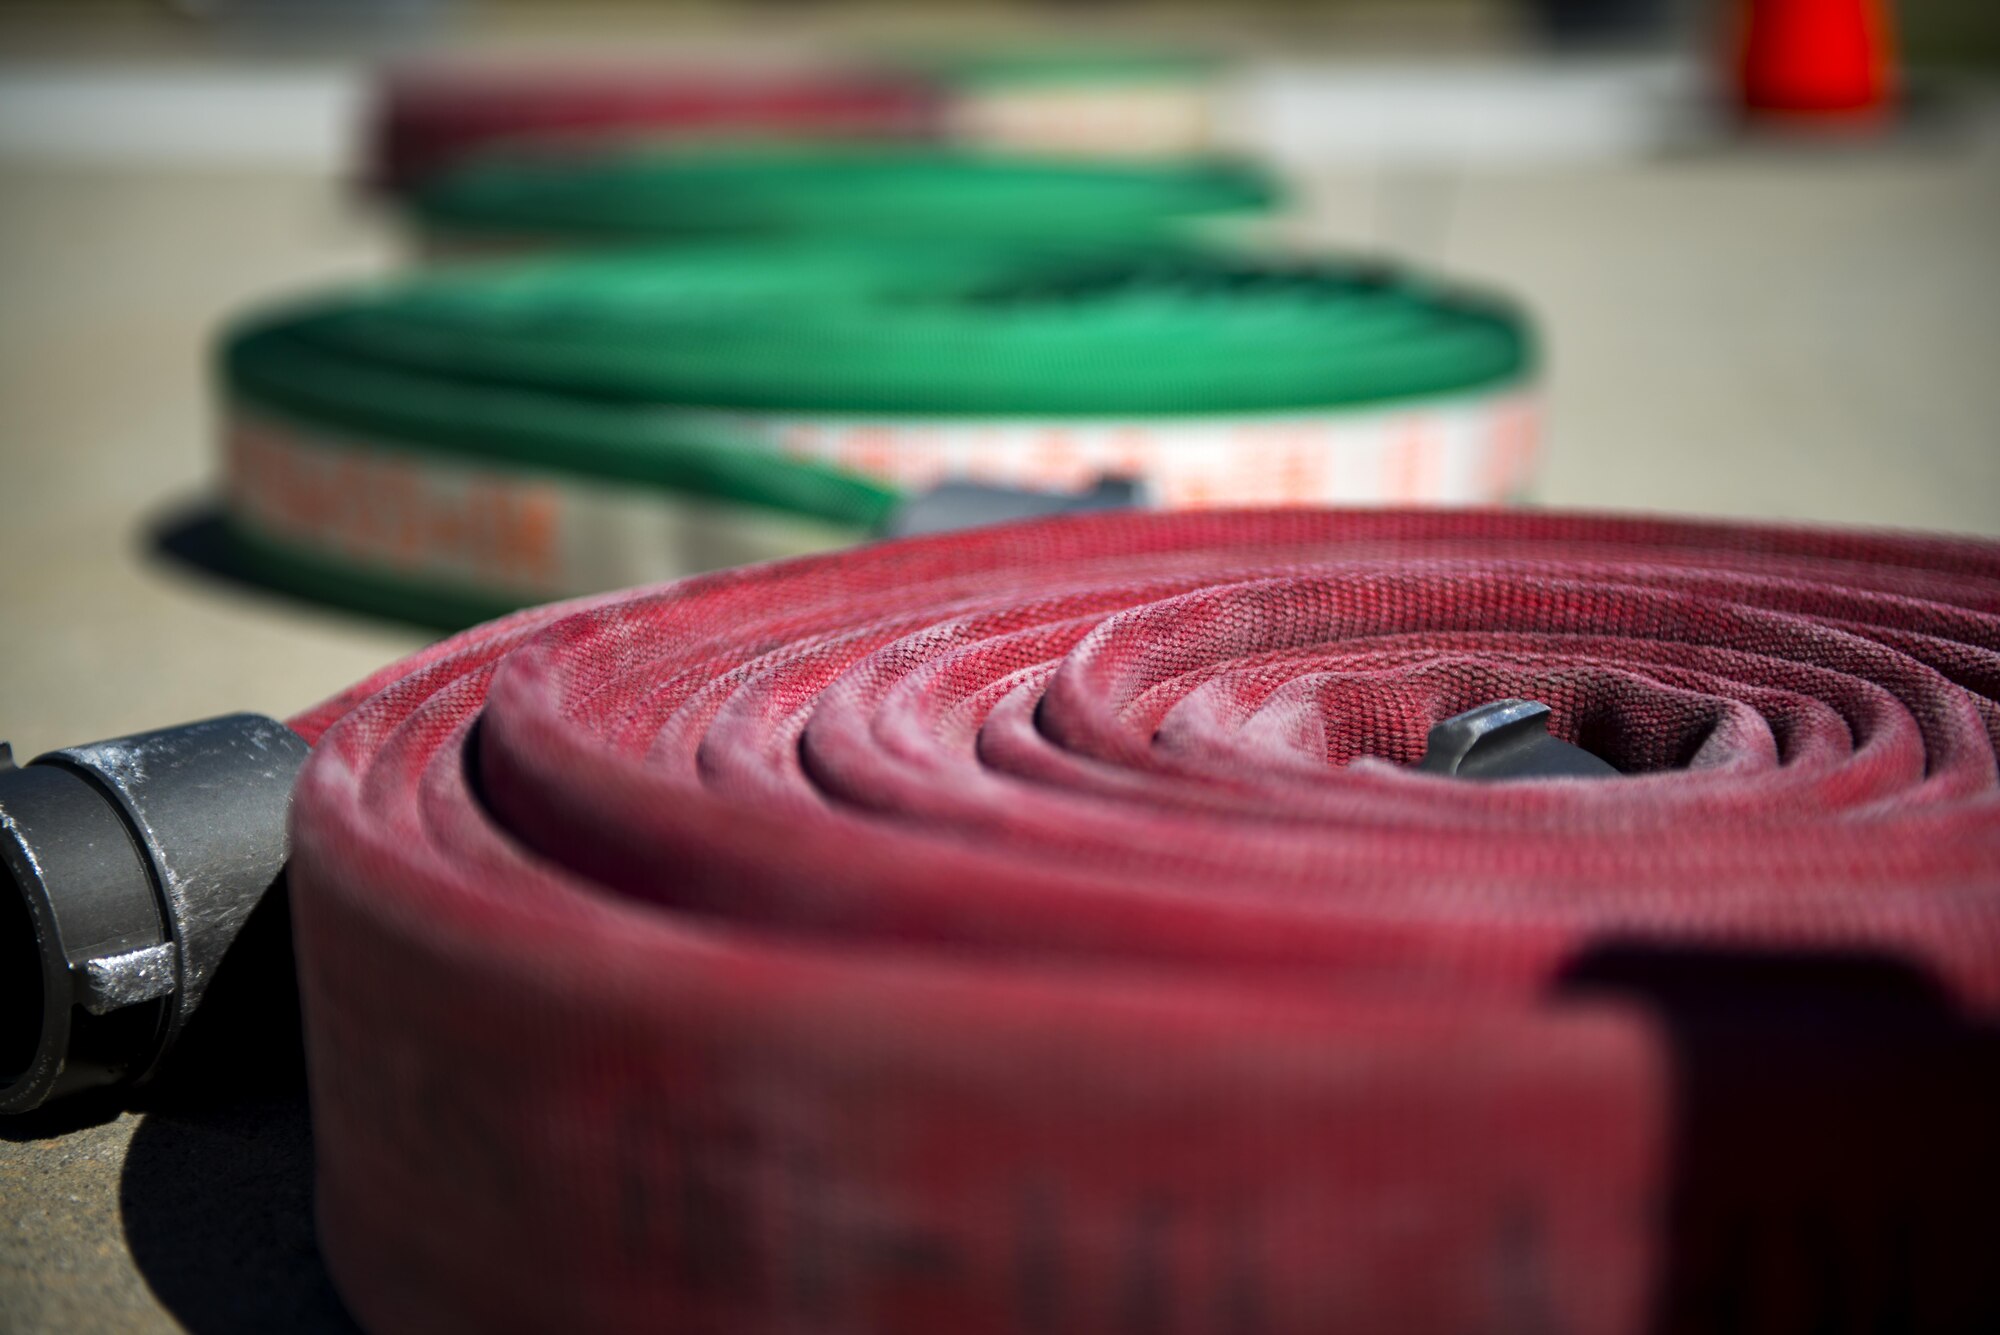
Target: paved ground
x=1742 y=332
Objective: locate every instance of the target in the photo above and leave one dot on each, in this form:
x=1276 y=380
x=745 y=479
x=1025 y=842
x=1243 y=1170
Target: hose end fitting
x=130 y=866
x=951 y=506
x=1507 y=739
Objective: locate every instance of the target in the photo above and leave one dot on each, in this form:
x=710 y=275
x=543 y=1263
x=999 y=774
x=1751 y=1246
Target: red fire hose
x=1042 y=929
x=428 y=120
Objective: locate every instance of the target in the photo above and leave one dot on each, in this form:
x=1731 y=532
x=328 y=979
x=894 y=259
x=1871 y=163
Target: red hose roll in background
x=1043 y=929
x=429 y=119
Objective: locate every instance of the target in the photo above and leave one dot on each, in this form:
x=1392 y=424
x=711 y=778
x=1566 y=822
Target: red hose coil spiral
x=1041 y=929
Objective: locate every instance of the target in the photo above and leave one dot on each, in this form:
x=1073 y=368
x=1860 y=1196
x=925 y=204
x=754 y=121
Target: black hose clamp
x=132 y=864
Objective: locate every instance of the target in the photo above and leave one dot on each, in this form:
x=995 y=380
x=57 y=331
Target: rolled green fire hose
x=451 y=446
x=609 y=193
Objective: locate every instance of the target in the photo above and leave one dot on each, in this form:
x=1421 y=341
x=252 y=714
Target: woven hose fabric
x=1044 y=929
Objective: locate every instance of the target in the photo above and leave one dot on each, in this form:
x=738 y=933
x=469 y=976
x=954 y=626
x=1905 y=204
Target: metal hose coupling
x=131 y=864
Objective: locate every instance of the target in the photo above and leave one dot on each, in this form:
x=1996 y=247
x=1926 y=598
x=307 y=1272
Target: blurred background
x=1746 y=307
x=1740 y=318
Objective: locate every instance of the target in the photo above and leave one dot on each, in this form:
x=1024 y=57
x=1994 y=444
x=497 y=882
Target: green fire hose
x=468 y=441
x=625 y=192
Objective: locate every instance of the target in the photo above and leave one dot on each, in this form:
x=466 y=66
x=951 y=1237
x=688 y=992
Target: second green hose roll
x=610 y=194
x=527 y=431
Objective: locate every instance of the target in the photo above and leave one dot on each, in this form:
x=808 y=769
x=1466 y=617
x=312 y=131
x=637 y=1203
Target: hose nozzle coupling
x=131 y=865
x=1507 y=739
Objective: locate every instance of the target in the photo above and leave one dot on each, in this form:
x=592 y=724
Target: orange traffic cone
x=1816 y=58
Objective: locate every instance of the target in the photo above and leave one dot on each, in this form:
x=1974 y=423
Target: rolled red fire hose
x=1043 y=929
x=427 y=120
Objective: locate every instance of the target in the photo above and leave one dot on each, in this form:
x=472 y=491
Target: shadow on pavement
x=216 y=1194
